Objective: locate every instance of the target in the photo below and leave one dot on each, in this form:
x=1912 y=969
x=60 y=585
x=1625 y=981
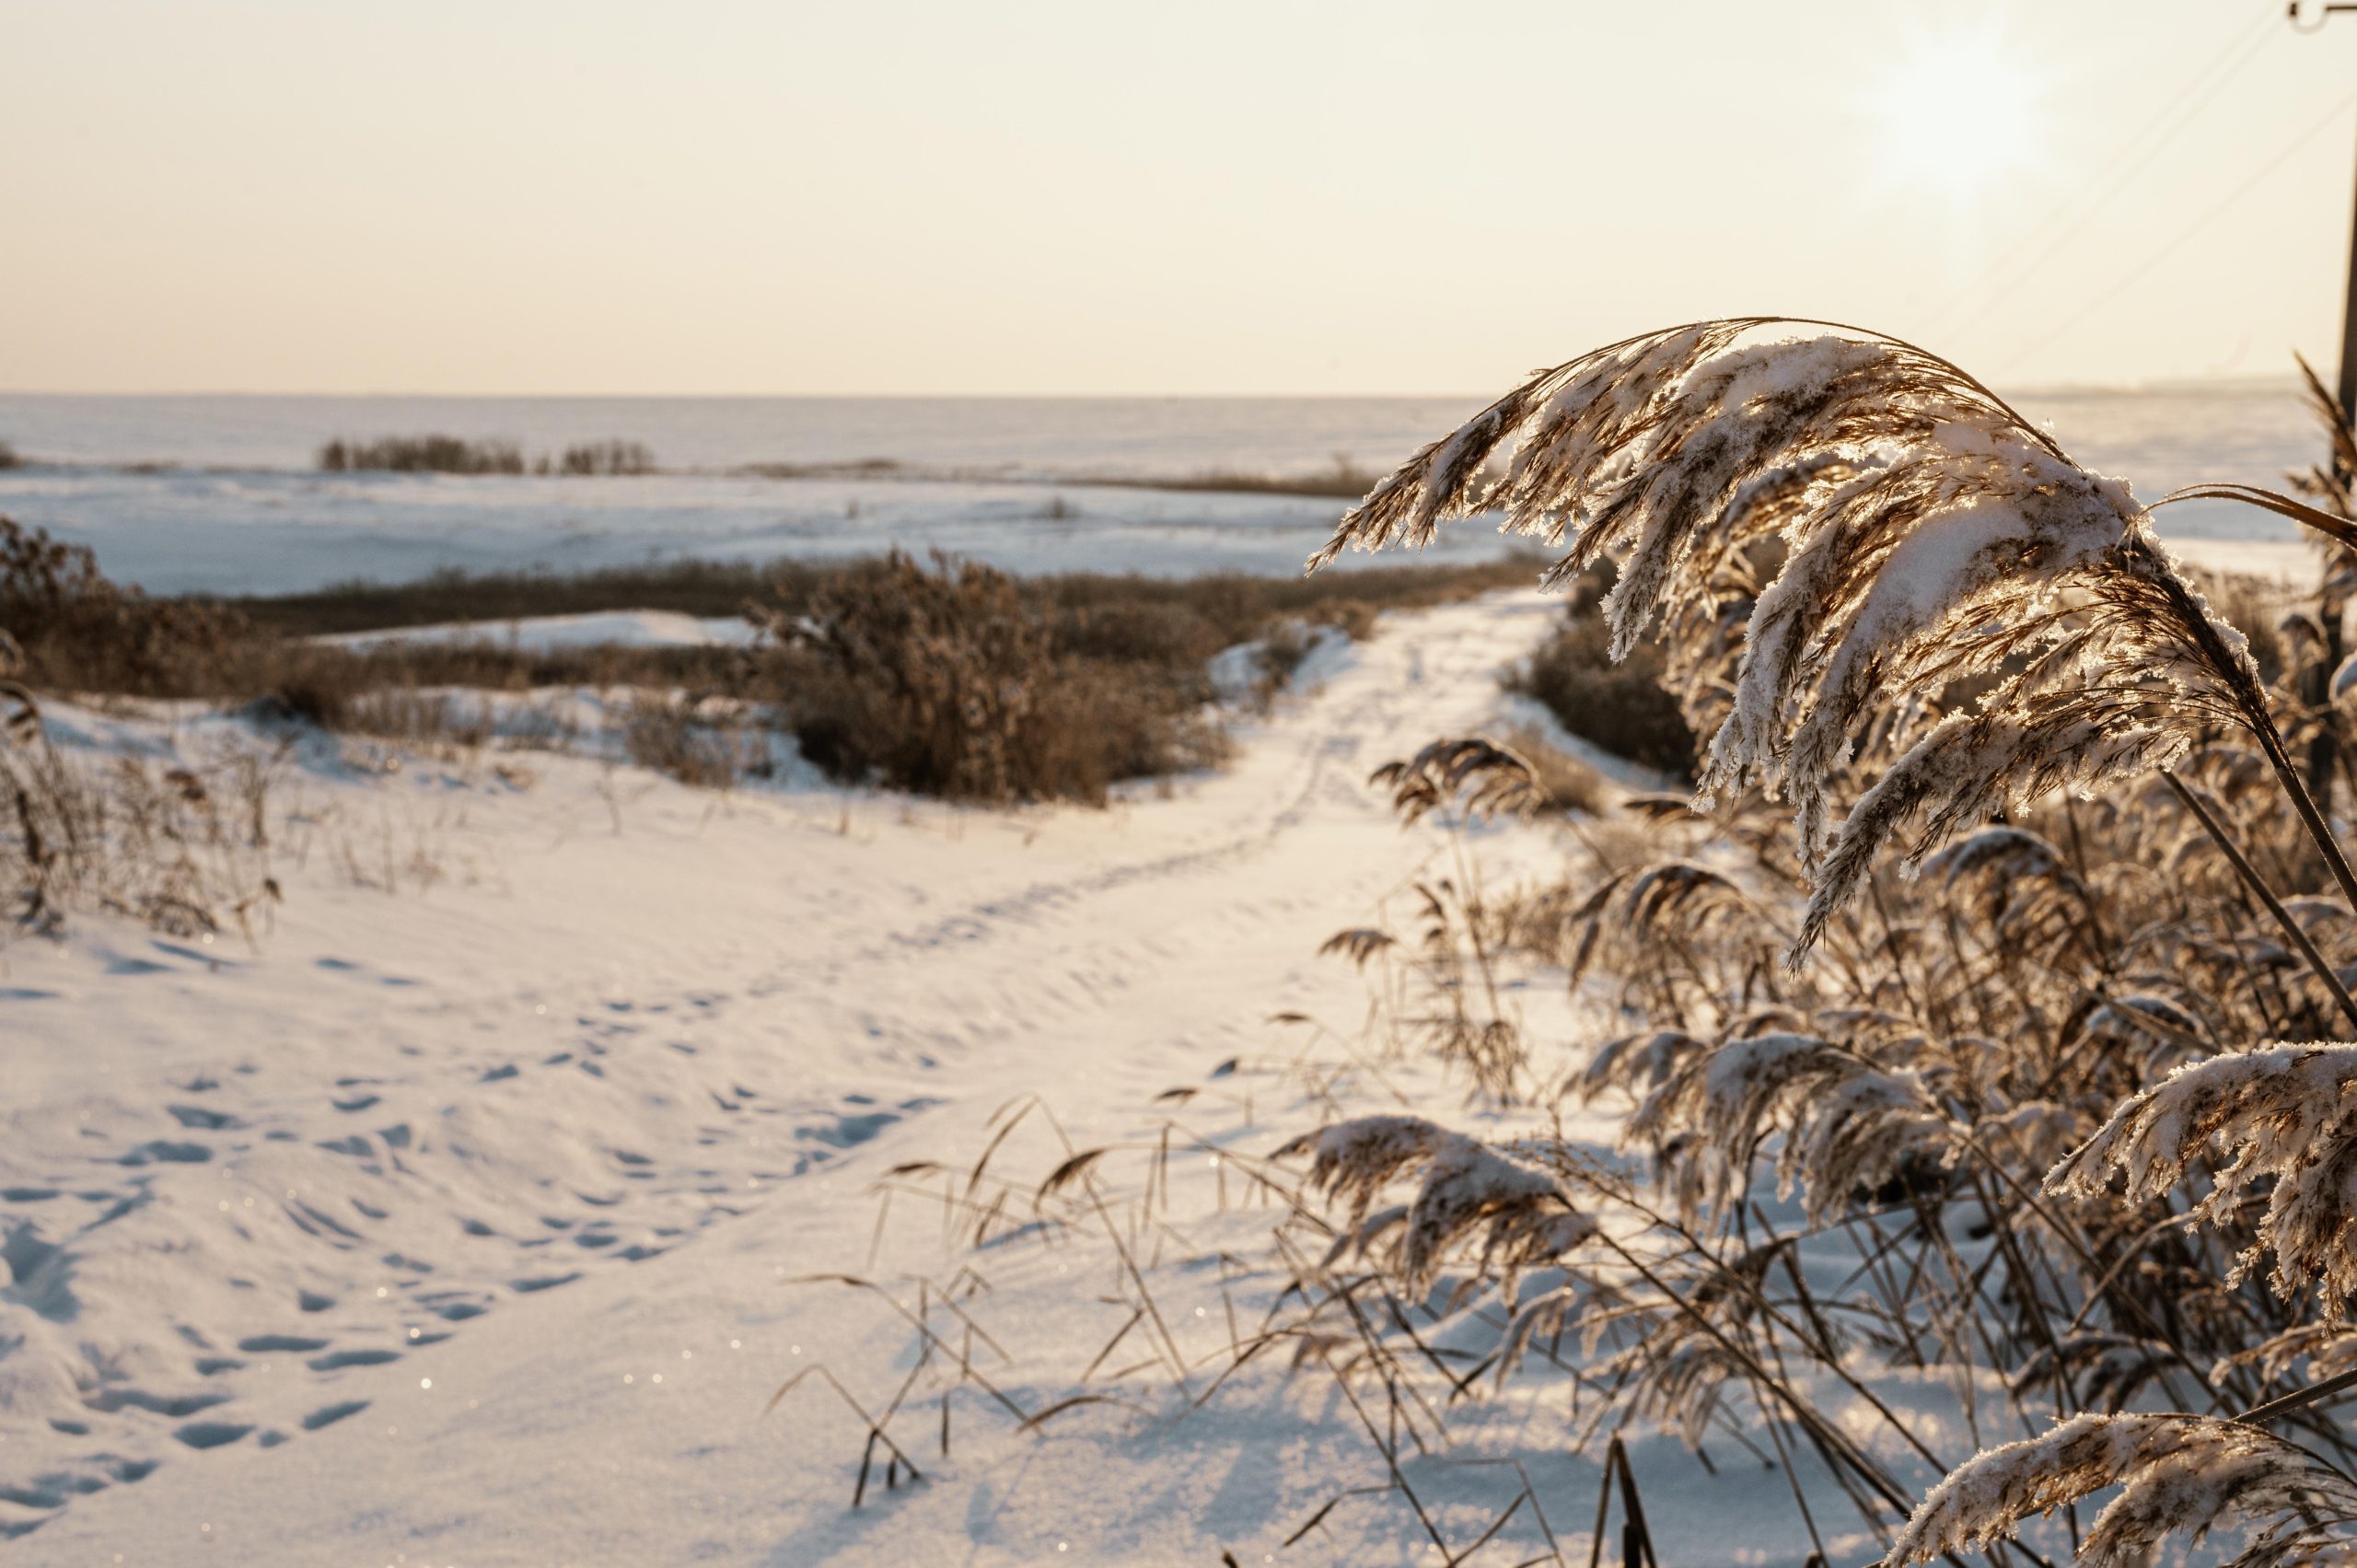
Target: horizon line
x=2254 y=382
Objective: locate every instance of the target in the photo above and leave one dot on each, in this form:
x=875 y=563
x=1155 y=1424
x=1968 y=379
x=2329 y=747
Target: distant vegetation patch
x=454 y=453
x=8 y=458
x=1345 y=480
x=857 y=468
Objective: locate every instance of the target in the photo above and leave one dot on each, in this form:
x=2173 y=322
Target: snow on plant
x=1493 y=779
x=1840 y=534
x=1929 y=535
x=1463 y=1186
x=1638 y=1063
x=2177 y=1474
x=1847 y=1124
x=2285 y=1114
x=2018 y=881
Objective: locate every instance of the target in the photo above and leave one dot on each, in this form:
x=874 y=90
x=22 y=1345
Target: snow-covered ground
x=545 y=633
x=462 y=1223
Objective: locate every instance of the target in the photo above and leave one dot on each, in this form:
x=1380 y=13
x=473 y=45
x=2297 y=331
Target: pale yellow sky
x=498 y=196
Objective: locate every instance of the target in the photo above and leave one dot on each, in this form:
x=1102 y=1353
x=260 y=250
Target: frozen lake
x=217 y=494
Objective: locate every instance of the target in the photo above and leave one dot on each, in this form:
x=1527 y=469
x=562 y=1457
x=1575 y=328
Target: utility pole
x=2314 y=687
x=2347 y=388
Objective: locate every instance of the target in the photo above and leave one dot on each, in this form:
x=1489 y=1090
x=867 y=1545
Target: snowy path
x=449 y=1224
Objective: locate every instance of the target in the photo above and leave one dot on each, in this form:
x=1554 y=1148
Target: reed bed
x=1975 y=1039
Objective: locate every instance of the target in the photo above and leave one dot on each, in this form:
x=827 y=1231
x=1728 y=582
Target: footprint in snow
x=202 y=1120
x=337 y=1360
x=167 y=1151
x=548 y=1282
x=328 y=1415
x=213 y=1433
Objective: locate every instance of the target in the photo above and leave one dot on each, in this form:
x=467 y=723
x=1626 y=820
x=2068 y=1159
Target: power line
x=2077 y=212
x=2242 y=189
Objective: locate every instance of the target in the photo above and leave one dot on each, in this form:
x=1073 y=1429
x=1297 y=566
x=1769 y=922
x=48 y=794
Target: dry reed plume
x=1889 y=601
x=1994 y=1164
x=1928 y=536
x=2176 y=1474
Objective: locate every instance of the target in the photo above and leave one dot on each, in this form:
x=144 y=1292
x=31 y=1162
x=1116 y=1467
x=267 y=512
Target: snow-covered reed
x=2176 y=1475
x=2285 y=1118
x=1995 y=1161
x=1926 y=536
x=1521 y=1211
x=2023 y=1094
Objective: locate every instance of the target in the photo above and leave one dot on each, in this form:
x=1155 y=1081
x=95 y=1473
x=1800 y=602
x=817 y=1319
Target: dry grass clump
x=182 y=849
x=2282 y=1116
x=602 y=458
x=702 y=751
x=1479 y=776
x=1926 y=535
x=963 y=682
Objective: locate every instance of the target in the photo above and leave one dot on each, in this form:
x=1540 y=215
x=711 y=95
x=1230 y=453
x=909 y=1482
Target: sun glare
x=1955 y=114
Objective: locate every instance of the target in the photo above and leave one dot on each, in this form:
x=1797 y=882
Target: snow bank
x=545 y=634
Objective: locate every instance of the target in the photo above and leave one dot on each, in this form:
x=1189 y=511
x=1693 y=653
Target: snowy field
x=476 y=1211
x=459 y=1223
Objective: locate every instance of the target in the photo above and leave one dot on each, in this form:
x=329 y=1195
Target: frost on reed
x=1928 y=535
x=1881 y=593
x=1846 y=1123
x=1521 y=1211
x=2178 y=1474
x=2285 y=1115
x=1492 y=780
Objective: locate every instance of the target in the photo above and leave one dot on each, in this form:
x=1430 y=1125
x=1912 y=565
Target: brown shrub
x=951 y=682
x=78 y=631
x=1622 y=707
